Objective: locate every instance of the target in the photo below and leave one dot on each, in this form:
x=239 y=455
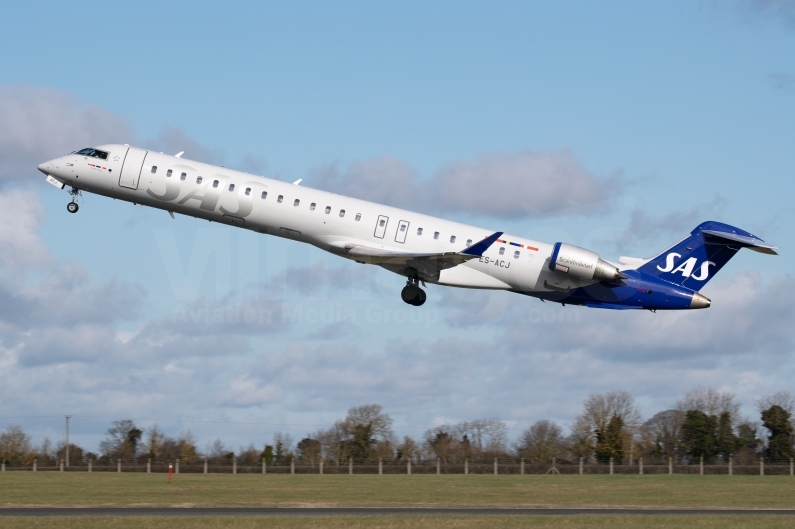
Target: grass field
x=402 y=522
x=28 y=489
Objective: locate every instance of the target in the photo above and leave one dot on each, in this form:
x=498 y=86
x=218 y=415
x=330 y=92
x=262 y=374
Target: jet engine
x=582 y=264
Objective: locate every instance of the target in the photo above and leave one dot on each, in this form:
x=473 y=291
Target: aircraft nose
x=44 y=167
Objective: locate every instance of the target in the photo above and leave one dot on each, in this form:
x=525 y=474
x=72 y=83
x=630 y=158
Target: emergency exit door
x=380 y=226
x=131 y=170
x=403 y=228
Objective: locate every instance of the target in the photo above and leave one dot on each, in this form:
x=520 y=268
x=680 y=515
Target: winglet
x=179 y=154
x=297 y=182
x=478 y=248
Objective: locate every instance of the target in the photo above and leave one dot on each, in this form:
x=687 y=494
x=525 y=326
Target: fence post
x=205 y=469
x=701 y=466
x=466 y=466
x=234 y=465
x=495 y=466
x=292 y=466
x=670 y=465
x=350 y=466
x=3 y=466
x=176 y=467
x=60 y=469
x=731 y=465
x=380 y=466
x=522 y=470
x=640 y=465
x=321 y=467
x=149 y=466
x=89 y=464
x=35 y=464
x=263 y=465
x=791 y=468
x=438 y=470
x=118 y=466
x=761 y=466
x=581 y=466
x=408 y=468
x=611 y=466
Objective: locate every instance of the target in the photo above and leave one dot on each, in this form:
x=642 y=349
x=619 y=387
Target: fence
x=501 y=466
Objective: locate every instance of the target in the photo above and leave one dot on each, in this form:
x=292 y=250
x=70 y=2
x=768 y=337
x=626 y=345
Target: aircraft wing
x=428 y=264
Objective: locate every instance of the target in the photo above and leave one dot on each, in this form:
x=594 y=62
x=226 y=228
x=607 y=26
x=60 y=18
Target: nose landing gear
x=72 y=206
x=412 y=293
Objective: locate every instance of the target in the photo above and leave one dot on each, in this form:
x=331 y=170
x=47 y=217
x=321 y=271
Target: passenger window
x=358 y=216
x=402 y=227
x=168 y=173
x=215 y=183
x=279 y=199
x=231 y=187
x=198 y=179
x=452 y=238
x=183 y=176
x=436 y=235
x=419 y=231
x=312 y=206
x=248 y=191
x=516 y=254
x=469 y=242
x=154 y=169
x=296 y=202
x=382 y=223
x=264 y=195
x=342 y=213
x=328 y=210
x=502 y=251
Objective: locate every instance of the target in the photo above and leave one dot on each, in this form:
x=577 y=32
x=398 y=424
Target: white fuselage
x=329 y=221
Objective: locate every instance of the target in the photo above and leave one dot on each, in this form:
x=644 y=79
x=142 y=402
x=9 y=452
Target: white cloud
x=497 y=184
x=39 y=124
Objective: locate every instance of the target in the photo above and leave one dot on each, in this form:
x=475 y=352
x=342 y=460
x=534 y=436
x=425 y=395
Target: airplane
x=422 y=248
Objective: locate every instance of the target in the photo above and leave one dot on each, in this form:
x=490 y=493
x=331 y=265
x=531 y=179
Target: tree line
x=705 y=423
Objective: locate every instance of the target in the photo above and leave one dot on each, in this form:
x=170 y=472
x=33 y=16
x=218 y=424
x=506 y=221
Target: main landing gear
x=72 y=206
x=412 y=293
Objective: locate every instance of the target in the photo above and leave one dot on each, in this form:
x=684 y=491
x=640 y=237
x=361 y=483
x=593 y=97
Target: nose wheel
x=412 y=293
x=72 y=206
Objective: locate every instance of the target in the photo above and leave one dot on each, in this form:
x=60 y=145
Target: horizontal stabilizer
x=752 y=243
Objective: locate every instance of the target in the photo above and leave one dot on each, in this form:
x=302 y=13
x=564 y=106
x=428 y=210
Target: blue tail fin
x=696 y=259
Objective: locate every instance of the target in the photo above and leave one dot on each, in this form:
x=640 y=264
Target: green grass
x=400 y=522
x=28 y=489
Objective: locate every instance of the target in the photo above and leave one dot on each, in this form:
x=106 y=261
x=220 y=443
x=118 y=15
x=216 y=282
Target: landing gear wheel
x=411 y=294
x=72 y=207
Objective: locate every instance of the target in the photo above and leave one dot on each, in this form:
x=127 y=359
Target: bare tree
x=711 y=402
x=122 y=440
x=408 y=450
x=783 y=399
x=542 y=441
x=15 y=445
x=609 y=420
x=661 y=434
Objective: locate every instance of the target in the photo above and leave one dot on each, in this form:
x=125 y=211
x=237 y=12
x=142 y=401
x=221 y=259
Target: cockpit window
x=93 y=153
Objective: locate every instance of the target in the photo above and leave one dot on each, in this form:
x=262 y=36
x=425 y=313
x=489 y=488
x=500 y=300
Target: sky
x=617 y=126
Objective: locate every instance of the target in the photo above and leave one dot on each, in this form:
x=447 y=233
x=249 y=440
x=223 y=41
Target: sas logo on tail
x=686 y=267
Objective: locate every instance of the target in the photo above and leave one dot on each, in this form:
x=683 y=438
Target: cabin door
x=131 y=170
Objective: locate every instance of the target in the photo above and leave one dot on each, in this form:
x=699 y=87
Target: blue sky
x=677 y=112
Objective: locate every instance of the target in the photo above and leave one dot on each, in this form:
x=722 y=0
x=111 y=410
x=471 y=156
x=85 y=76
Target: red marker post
x=169 y=472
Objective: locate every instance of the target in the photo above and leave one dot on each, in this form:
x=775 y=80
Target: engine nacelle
x=582 y=264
